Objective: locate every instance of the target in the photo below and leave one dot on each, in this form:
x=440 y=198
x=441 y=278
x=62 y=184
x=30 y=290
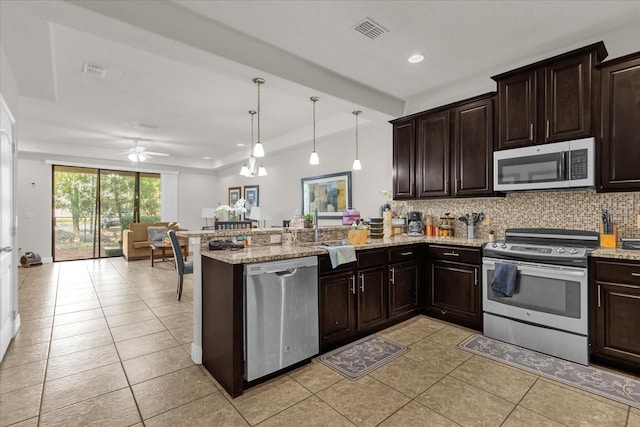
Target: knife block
x=609 y=240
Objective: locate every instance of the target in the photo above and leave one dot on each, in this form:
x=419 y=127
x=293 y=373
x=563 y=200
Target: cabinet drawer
x=324 y=265
x=618 y=272
x=403 y=253
x=372 y=258
x=455 y=253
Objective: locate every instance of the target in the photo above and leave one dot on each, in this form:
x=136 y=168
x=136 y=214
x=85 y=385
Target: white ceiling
x=186 y=66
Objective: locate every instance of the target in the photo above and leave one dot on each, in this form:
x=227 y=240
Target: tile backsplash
x=580 y=210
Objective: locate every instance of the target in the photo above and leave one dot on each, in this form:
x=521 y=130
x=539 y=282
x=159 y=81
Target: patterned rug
x=607 y=384
x=361 y=357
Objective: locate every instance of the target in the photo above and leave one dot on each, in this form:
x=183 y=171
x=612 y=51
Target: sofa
x=136 y=240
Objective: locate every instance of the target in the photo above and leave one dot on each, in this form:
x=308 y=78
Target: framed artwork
x=330 y=193
x=234 y=195
x=252 y=197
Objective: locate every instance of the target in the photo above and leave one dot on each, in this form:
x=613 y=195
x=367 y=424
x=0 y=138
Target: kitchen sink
x=324 y=245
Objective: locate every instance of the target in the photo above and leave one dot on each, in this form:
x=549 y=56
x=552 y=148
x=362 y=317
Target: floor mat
x=361 y=357
x=604 y=383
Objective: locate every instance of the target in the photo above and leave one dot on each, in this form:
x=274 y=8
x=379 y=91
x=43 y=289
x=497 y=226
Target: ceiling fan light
x=356 y=164
x=262 y=171
x=258 y=150
x=133 y=157
x=314 y=159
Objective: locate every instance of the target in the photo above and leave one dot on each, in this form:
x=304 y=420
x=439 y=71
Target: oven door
x=547 y=295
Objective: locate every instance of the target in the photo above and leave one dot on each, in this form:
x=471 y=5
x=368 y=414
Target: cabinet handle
x=475 y=276
x=547 y=130
x=635 y=274
x=531 y=131
x=362 y=282
x=451 y=254
x=392 y=270
x=407 y=253
x=353 y=284
x=598 y=295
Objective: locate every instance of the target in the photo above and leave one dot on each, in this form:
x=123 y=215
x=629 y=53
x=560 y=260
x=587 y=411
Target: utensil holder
x=609 y=240
x=358 y=237
x=472 y=231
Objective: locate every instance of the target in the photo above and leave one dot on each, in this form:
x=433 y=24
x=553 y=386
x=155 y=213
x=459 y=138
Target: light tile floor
x=106 y=343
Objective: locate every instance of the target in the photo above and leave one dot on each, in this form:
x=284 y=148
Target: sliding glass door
x=92 y=207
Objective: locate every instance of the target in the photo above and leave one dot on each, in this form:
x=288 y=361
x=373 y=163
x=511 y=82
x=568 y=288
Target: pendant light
x=250 y=168
x=356 y=163
x=314 y=159
x=258 y=150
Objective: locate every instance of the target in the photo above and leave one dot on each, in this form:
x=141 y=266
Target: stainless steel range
x=545 y=306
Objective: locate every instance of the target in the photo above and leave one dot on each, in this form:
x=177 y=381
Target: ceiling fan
x=140 y=154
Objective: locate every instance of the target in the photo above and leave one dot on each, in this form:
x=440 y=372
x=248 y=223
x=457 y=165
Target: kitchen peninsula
x=218 y=280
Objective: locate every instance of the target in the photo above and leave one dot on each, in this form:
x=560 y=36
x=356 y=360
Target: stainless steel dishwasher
x=281 y=314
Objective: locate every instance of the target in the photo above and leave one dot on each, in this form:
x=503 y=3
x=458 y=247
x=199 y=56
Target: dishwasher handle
x=285 y=273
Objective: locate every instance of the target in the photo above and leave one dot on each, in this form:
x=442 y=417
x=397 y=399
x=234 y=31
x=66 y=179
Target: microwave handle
x=563 y=167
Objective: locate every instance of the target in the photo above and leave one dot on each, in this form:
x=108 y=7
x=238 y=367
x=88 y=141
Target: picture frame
x=234 y=195
x=251 y=197
x=330 y=193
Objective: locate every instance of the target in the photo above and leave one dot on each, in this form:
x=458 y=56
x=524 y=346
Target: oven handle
x=531 y=269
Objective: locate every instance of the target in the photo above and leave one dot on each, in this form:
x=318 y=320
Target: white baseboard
x=196 y=353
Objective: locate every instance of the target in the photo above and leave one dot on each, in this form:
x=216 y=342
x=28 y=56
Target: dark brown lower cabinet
x=405 y=294
x=337 y=307
x=615 y=312
x=454 y=290
x=372 y=300
x=353 y=298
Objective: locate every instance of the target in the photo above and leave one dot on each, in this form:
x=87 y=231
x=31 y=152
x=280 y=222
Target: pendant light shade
x=250 y=167
x=314 y=159
x=356 y=163
x=258 y=150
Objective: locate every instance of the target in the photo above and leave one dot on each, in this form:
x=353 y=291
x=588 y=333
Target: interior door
x=9 y=320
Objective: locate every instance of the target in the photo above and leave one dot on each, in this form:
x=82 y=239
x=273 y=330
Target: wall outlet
x=638 y=221
x=486 y=220
x=276 y=239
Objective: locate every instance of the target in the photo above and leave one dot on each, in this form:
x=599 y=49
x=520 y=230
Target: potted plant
x=308 y=220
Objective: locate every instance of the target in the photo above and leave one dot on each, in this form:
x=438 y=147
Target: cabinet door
x=404 y=164
x=454 y=293
x=403 y=288
x=618 y=322
x=567 y=112
x=473 y=149
x=371 y=298
x=337 y=308
x=517 y=110
x=433 y=155
x=620 y=154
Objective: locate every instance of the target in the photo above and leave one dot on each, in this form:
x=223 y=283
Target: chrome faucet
x=316 y=232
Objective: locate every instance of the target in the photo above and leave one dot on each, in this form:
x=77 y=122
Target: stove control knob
x=573 y=251
x=494 y=245
x=503 y=246
x=560 y=250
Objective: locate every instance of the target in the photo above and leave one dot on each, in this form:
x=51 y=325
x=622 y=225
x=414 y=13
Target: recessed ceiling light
x=206 y=157
x=414 y=59
x=240 y=144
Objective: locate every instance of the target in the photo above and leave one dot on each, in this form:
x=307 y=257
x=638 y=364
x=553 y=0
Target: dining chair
x=182 y=267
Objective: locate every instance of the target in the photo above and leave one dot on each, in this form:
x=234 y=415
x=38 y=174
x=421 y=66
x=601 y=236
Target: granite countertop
x=616 y=253
x=262 y=253
x=278 y=252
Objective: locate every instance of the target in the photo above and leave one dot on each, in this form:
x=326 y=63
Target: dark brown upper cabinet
x=452 y=152
x=549 y=101
x=619 y=154
x=404 y=159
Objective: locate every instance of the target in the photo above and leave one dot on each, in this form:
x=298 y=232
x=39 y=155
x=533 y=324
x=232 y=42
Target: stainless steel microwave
x=568 y=164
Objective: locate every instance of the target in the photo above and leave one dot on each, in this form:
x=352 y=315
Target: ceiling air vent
x=370 y=28
x=94 y=70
